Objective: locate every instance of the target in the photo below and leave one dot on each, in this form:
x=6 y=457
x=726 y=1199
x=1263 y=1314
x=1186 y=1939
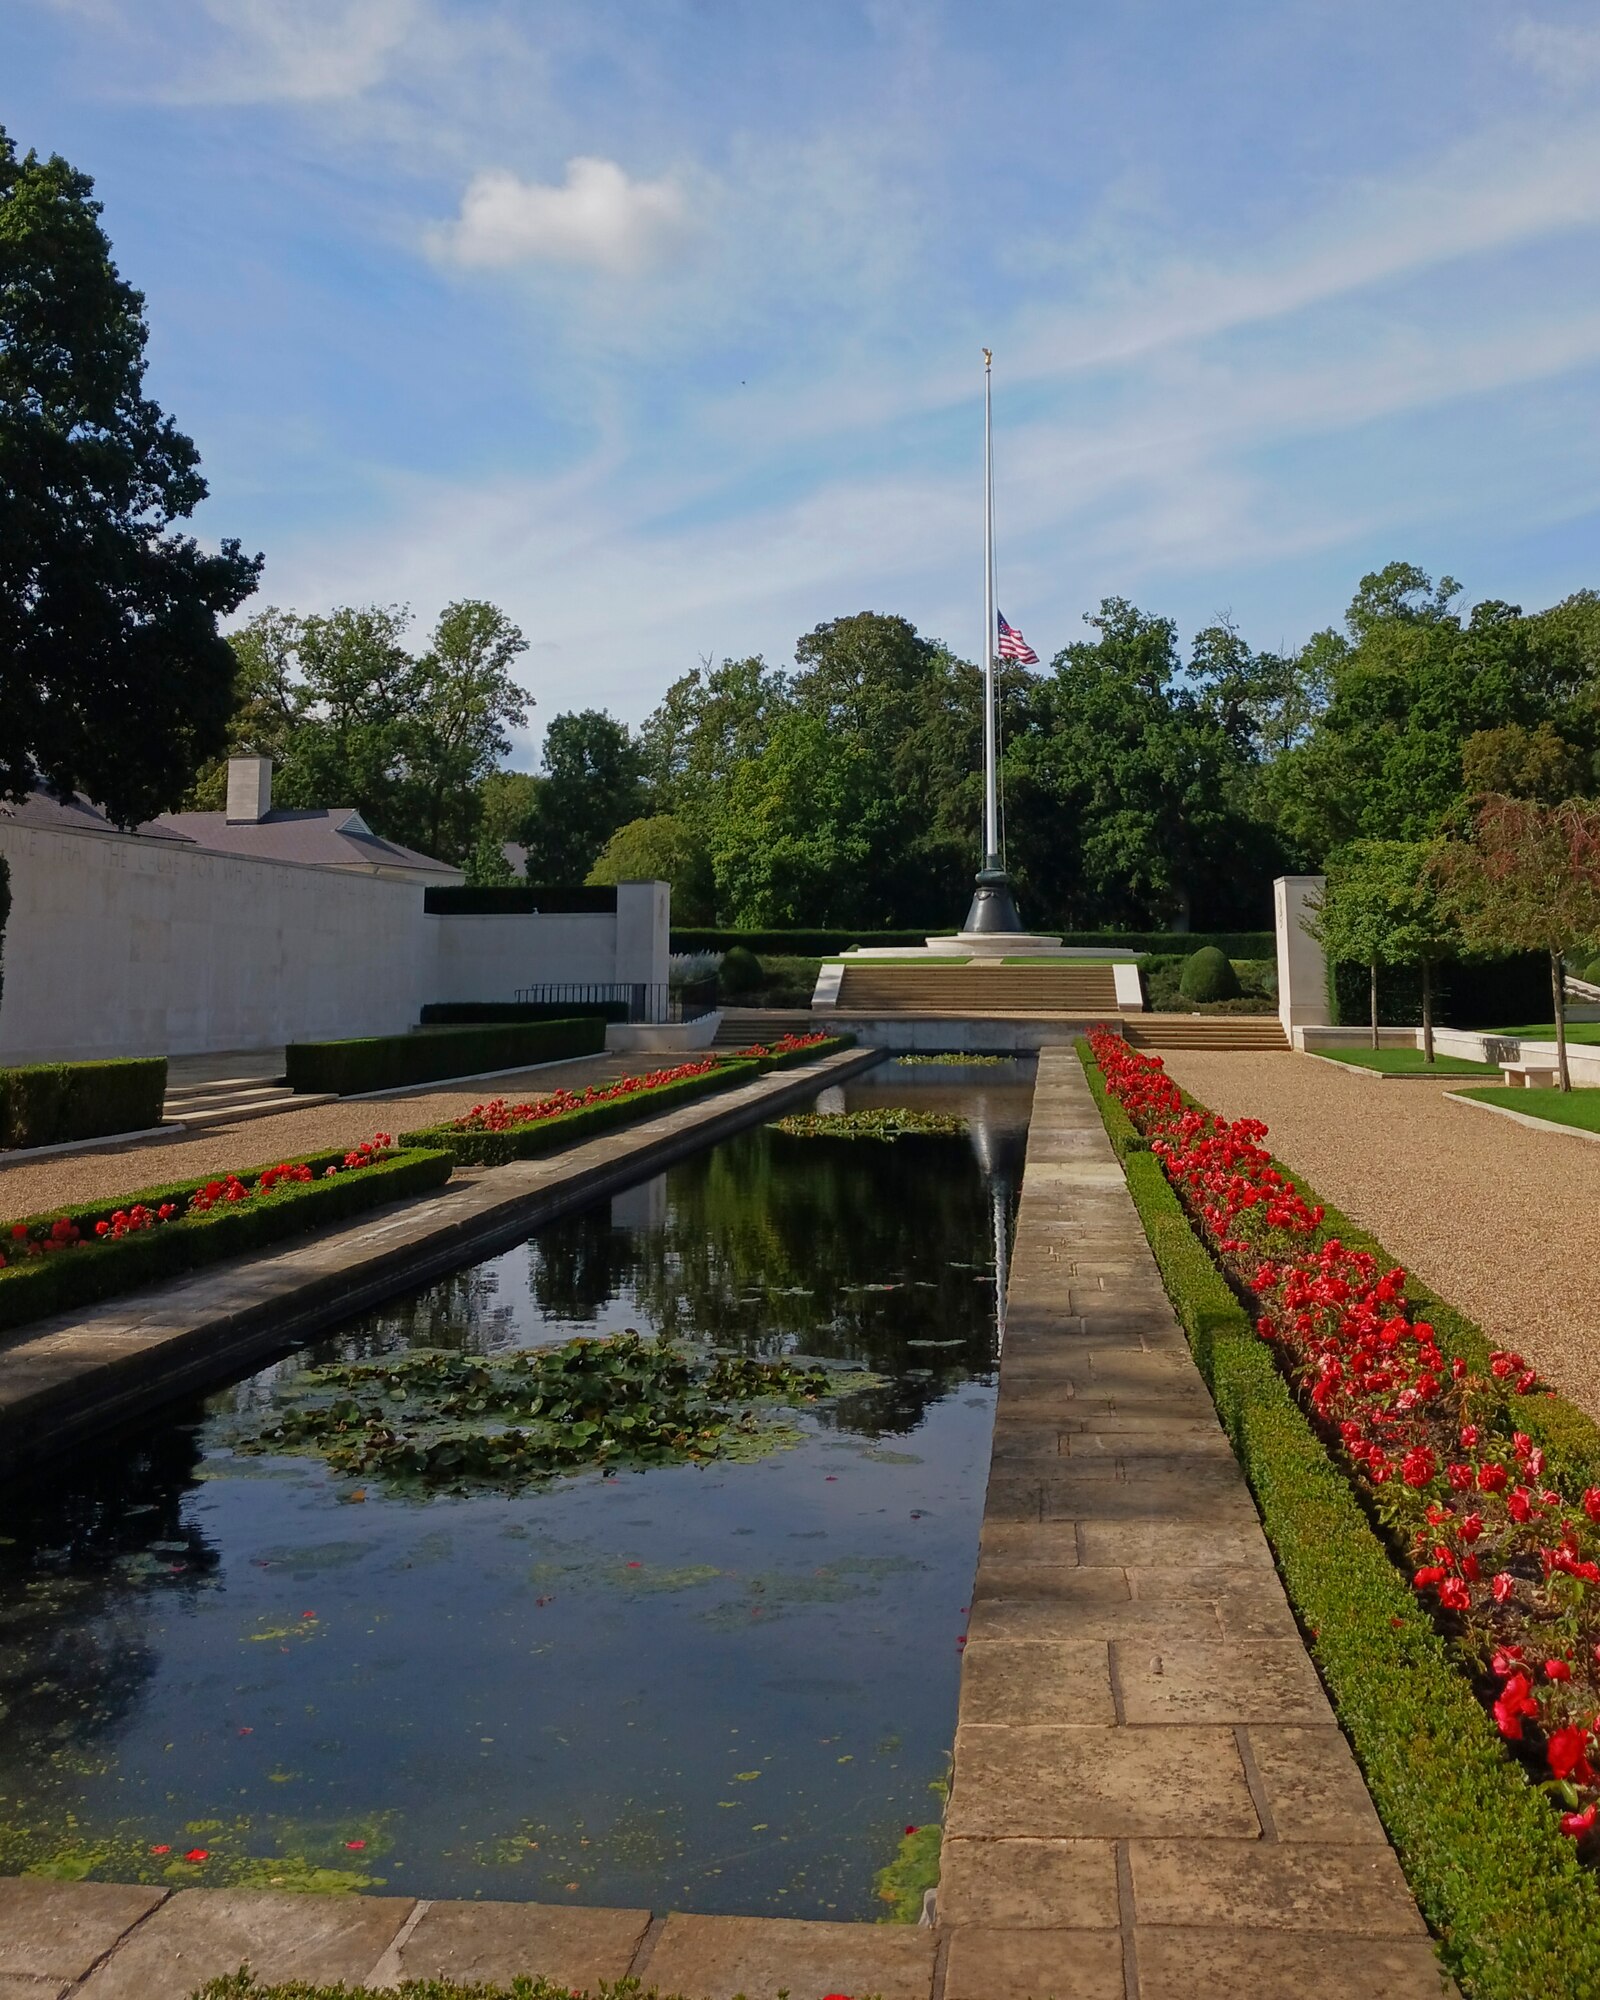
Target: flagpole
x=991 y=781
x=992 y=911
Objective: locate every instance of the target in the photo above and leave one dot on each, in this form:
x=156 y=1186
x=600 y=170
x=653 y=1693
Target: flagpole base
x=993 y=912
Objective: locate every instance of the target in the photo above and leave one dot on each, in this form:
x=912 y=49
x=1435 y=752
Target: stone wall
x=119 y=945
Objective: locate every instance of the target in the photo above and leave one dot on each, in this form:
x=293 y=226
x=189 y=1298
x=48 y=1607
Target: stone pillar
x=1302 y=965
x=644 y=924
x=249 y=789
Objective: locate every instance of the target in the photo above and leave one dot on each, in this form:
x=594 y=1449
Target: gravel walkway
x=104 y=1173
x=1497 y=1218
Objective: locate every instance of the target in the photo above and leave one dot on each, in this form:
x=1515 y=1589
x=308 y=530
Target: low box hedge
x=1516 y=1913
x=526 y=1142
x=65 y=1279
x=791 y=1058
x=51 y=1104
x=385 y=1062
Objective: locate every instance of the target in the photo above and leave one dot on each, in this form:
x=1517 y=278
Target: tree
x=1528 y=879
x=1350 y=918
x=114 y=680
x=662 y=849
x=592 y=785
x=487 y=866
x=1382 y=907
x=505 y=806
x=1522 y=763
x=468 y=702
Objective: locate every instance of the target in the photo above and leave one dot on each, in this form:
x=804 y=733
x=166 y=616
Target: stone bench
x=1533 y=1075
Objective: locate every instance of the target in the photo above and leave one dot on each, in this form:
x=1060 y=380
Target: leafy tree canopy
x=592 y=785
x=663 y=848
x=114 y=681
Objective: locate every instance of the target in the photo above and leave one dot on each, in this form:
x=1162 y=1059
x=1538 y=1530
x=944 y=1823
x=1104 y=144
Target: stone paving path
x=1151 y=1796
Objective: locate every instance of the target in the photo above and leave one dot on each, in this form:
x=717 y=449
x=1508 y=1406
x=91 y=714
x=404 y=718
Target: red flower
x=198 y=1854
x=1557 y=1670
x=1515 y=1702
x=1576 y=1824
x=1566 y=1752
x=1493 y=1478
x=1503 y=1587
x=1454 y=1595
x=165 y=1848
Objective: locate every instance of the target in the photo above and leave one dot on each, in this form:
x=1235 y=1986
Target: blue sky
x=659 y=323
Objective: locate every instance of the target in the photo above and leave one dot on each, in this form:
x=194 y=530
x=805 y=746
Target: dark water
x=723 y=1688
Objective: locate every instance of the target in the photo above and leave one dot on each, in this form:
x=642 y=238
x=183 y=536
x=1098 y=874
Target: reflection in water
x=722 y=1688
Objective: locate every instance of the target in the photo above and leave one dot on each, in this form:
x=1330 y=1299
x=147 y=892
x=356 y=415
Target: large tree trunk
x=1372 y=994
x=1558 y=992
x=1427 y=1010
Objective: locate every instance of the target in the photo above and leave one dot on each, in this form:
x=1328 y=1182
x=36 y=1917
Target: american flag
x=1013 y=646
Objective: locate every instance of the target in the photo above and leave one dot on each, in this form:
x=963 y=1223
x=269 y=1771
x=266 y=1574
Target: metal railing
x=636 y=1003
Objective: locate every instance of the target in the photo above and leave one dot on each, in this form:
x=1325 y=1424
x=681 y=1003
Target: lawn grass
x=1580 y=1108
x=1407 y=1062
x=1587 y=1032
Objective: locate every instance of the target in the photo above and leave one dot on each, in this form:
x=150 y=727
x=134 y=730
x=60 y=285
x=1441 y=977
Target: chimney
x=249 y=789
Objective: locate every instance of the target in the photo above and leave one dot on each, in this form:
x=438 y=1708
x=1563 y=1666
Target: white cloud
x=298 y=51
x=1561 y=54
x=596 y=217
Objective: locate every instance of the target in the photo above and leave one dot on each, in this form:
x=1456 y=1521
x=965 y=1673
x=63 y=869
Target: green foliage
x=451 y=1422
x=1591 y=972
x=241 y=1986
x=487 y=866
x=829 y=943
x=383 y=1062
x=1208 y=975
x=526 y=1142
x=794 y=1058
x=99 y=1270
x=1495 y=1879
x=662 y=849
x=905 y=1882
x=591 y=787
x=350 y=716
x=883 y=1122
x=1522 y=763
x=740 y=971
x=114 y=680
x=50 y=1104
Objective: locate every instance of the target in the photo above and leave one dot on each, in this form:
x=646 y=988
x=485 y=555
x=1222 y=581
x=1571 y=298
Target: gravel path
x=104 y=1173
x=1497 y=1218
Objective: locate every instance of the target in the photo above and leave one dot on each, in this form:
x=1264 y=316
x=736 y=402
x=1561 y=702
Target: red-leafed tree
x=1528 y=879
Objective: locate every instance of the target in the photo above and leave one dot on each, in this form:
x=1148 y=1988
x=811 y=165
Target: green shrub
x=526 y=1142
x=1591 y=972
x=99 y=1270
x=384 y=1062
x=740 y=972
x=525 y=1986
x=50 y=1104
x=791 y=1058
x=1516 y=1913
x=1208 y=974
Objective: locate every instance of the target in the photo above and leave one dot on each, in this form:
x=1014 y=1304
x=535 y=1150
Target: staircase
x=1216 y=1032
x=980 y=991
x=740 y=1026
x=226 y=1089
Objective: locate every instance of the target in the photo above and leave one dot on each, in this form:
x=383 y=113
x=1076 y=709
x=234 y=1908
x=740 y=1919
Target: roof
x=318 y=837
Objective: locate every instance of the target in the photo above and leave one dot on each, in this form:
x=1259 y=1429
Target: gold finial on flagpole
x=988 y=356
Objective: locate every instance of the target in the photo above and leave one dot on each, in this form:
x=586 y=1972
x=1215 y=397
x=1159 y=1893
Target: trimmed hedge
x=1494 y=1876
x=520 y=899
x=493 y=1013
x=826 y=943
x=380 y=1062
x=99 y=1270
x=791 y=1058
x=526 y=1142
x=50 y=1104
x=1468 y=993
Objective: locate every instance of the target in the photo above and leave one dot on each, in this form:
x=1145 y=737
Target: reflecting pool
x=725 y=1687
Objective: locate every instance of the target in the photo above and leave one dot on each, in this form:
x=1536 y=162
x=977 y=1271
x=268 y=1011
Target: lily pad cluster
x=431 y=1419
x=951 y=1059
x=886 y=1122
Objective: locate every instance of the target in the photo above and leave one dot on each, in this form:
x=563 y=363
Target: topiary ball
x=1208 y=975
x=740 y=971
x=1591 y=972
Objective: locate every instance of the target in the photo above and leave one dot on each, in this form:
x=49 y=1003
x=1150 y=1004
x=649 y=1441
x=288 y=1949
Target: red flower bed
x=500 y=1115
x=1510 y=1562
x=43 y=1239
x=785 y=1045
